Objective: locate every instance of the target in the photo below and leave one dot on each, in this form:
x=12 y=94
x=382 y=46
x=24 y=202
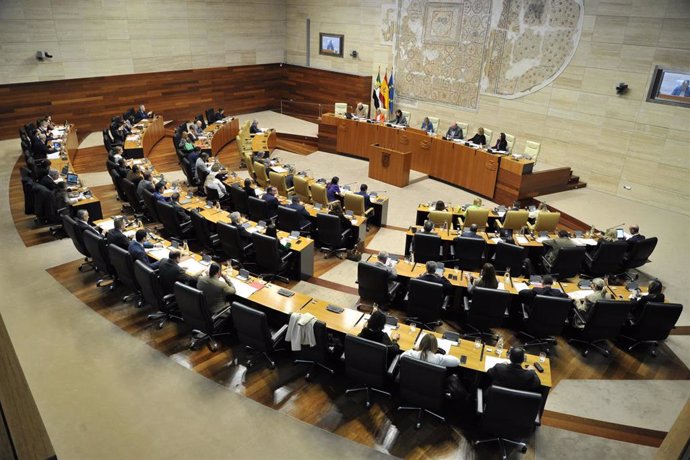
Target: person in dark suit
x=363 y=192
x=141 y=114
x=479 y=138
x=182 y=215
x=145 y=184
x=254 y=128
x=236 y=220
x=134 y=175
x=158 y=190
x=654 y=294
x=399 y=118
x=248 y=189
x=39 y=146
x=428 y=126
x=471 y=232
x=382 y=261
x=301 y=210
x=82 y=221
x=431 y=276
x=121 y=168
x=635 y=236
x=170 y=272
x=373 y=330
x=512 y=375
x=219 y=115
x=217 y=288
x=527 y=295
x=116 y=236
x=137 y=249
x=49 y=180
x=345 y=223
x=271 y=197
x=501 y=143
x=454 y=132
x=554 y=246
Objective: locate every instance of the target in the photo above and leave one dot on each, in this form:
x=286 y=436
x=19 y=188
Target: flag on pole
x=383 y=94
x=390 y=92
x=375 y=92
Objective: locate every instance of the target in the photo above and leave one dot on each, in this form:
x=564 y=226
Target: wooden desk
x=218 y=135
x=145 y=135
x=389 y=165
x=341 y=322
x=268 y=297
x=408 y=335
x=265 y=141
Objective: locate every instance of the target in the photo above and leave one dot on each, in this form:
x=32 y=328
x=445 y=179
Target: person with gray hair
x=50 y=180
x=471 y=232
x=428 y=226
x=431 y=276
x=383 y=261
x=301 y=211
x=236 y=220
x=585 y=305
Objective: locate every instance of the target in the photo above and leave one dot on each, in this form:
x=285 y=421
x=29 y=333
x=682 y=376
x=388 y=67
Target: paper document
x=252 y=229
x=520 y=286
x=130 y=233
x=496 y=240
x=192 y=266
x=53 y=156
x=107 y=225
x=584 y=241
x=581 y=294
x=541 y=239
x=278 y=169
x=242 y=289
x=158 y=253
x=519 y=239
x=388 y=328
x=491 y=361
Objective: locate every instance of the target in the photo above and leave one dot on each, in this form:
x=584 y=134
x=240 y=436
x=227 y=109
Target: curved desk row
x=145 y=135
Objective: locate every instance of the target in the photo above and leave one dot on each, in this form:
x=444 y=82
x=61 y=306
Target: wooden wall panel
x=91 y=102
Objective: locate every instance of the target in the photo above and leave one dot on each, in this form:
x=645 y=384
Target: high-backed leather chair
x=278 y=181
x=568 y=262
x=289 y=220
x=374 y=285
x=206 y=327
x=72 y=231
x=639 y=253
x=544 y=320
x=607 y=259
x=302 y=188
x=269 y=258
x=486 y=310
x=468 y=253
x=261 y=174
x=332 y=236
x=171 y=222
x=476 y=216
x=606 y=319
x=232 y=244
x=509 y=256
x=366 y=362
x=653 y=325
x=546 y=221
x=514 y=219
x=356 y=204
x=422 y=388
x=152 y=294
x=318 y=355
x=252 y=330
x=121 y=260
x=441 y=217
x=425 y=303
x=239 y=200
x=427 y=246
x=209 y=240
x=98 y=249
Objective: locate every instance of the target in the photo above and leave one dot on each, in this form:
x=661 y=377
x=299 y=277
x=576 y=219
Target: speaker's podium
x=389 y=166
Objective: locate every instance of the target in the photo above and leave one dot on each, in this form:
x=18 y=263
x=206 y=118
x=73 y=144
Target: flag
x=383 y=94
x=390 y=92
x=375 y=92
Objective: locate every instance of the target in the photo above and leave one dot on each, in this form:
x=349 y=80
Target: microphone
x=614 y=226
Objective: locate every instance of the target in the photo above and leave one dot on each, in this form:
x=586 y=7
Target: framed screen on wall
x=670 y=87
x=331 y=44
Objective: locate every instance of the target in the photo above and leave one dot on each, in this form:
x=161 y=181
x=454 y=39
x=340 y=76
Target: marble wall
x=113 y=37
x=617 y=144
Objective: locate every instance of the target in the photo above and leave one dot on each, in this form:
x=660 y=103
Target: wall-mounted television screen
x=670 y=87
x=331 y=44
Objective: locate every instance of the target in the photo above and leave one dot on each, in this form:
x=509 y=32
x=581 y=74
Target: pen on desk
x=481 y=355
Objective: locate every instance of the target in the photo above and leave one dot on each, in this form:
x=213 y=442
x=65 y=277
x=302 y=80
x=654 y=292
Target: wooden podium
x=389 y=166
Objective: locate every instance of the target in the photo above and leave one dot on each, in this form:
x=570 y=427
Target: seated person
x=454 y=132
x=527 y=295
x=428 y=126
x=333 y=190
x=543 y=207
x=635 y=235
x=380 y=117
x=134 y=175
x=555 y=245
x=512 y=375
x=399 y=118
x=217 y=288
x=271 y=197
x=182 y=215
x=145 y=184
x=121 y=168
x=367 y=199
x=212 y=182
x=383 y=262
x=336 y=209
x=301 y=211
x=428 y=351
x=137 y=249
x=116 y=154
x=50 y=180
x=487 y=279
x=501 y=143
x=585 y=305
x=360 y=111
x=471 y=232
x=142 y=114
x=186 y=144
x=236 y=221
x=654 y=294
x=201 y=170
x=61 y=198
x=479 y=138
x=433 y=277
x=219 y=115
x=159 y=188
x=82 y=221
x=117 y=236
x=254 y=128
x=476 y=204
x=249 y=190
x=197 y=128
x=439 y=206
x=373 y=330
x=170 y=272
x=428 y=227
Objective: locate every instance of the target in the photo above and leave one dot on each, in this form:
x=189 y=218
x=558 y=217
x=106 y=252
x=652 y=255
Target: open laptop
x=72 y=179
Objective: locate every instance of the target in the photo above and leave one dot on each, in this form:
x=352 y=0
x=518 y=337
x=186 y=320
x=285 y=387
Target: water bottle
x=499 y=346
x=506 y=278
x=185 y=247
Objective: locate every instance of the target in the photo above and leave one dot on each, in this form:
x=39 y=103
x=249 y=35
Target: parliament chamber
x=201 y=254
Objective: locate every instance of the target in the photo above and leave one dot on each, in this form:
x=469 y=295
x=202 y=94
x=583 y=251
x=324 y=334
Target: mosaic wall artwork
x=389 y=14
x=448 y=52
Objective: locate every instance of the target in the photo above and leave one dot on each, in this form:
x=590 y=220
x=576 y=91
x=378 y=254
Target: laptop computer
x=72 y=179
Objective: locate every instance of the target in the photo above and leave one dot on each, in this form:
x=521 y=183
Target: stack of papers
x=541 y=239
x=520 y=239
x=584 y=241
x=53 y=156
x=520 y=286
x=491 y=361
x=192 y=267
x=242 y=289
x=581 y=294
x=496 y=239
x=158 y=253
x=278 y=169
x=108 y=224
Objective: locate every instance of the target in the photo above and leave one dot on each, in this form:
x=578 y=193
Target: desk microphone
x=619 y=225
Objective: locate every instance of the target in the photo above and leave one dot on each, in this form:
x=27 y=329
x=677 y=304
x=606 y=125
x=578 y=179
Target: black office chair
x=233 y=246
x=567 y=264
x=188 y=171
x=252 y=330
x=608 y=258
x=546 y=319
x=210 y=241
x=98 y=249
x=289 y=221
x=487 y=309
x=206 y=327
x=210 y=113
x=331 y=235
x=366 y=362
x=258 y=209
x=44 y=205
x=171 y=223
x=150 y=204
x=124 y=273
x=427 y=246
x=509 y=256
x=639 y=253
x=606 y=319
x=27 y=189
x=317 y=355
x=509 y=415
x=135 y=203
x=239 y=200
x=73 y=232
x=117 y=183
x=425 y=303
x=422 y=385
x=269 y=259
x=468 y=253
x=373 y=284
x=653 y=325
x=152 y=295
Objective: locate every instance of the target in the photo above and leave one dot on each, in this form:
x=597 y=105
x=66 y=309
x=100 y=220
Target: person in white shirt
x=427 y=350
x=213 y=183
